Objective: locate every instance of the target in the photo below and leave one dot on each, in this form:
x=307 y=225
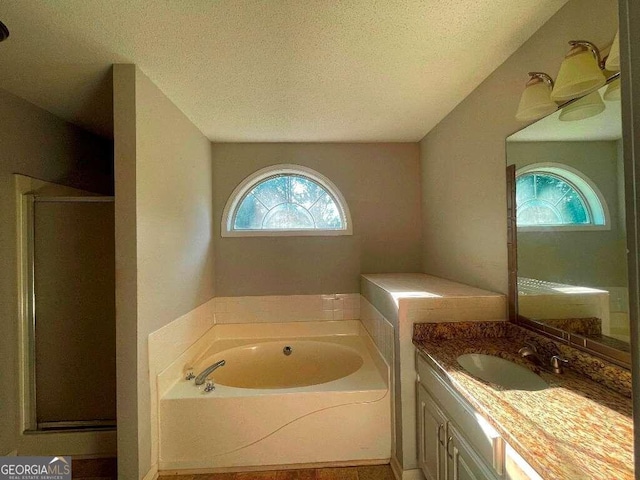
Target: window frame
x=250 y=182
x=596 y=204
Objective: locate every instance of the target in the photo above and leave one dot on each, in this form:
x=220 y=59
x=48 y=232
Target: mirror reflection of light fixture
x=613 y=60
x=586 y=107
x=580 y=72
x=535 y=101
x=613 y=91
x=4 y=32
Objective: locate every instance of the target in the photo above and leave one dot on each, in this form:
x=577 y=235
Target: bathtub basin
x=325 y=403
x=282 y=364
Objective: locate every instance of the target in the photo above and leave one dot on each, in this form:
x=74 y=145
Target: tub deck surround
x=248 y=427
x=576 y=428
x=407 y=298
x=542 y=299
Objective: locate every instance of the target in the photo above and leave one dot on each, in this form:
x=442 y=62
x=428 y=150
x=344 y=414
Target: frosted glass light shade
x=613 y=60
x=579 y=74
x=535 y=101
x=613 y=91
x=588 y=106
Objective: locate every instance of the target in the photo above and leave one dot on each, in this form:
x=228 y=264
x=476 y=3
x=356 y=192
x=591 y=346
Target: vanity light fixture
x=613 y=91
x=535 y=101
x=581 y=72
x=613 y=60
x=586 y=107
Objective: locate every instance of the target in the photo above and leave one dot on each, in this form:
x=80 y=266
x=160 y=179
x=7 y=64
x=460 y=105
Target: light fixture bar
x=542 y=76
x=591 y=47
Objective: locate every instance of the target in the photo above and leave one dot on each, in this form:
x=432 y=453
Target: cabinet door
x=431 y=436
x=462 y=462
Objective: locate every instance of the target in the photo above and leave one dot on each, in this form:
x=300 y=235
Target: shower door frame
x=27 y=310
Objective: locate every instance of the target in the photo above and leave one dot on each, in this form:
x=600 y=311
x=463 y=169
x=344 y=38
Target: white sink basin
x=501 y=372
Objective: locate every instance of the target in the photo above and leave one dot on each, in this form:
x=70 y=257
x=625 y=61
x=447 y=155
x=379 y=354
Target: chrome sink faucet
x=205 y=373
x=530 y=352
x=555 y=363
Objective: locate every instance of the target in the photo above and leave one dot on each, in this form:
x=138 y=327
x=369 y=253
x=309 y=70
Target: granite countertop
x=580 y=427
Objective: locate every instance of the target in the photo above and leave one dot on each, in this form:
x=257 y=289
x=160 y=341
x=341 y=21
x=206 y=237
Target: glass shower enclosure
x=69 y=301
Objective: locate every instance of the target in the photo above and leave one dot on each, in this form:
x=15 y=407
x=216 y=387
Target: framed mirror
x=567 y=235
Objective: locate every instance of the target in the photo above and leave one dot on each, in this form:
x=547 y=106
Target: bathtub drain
x=287 y=350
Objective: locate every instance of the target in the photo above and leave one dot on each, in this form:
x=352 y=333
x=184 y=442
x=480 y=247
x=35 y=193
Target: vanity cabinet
x=443 y=451
x=454 y=441
x=463 y=463
x=432 y=436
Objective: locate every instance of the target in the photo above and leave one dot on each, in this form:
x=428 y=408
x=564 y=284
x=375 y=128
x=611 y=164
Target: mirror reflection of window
x=544 y=199
x=556 y=196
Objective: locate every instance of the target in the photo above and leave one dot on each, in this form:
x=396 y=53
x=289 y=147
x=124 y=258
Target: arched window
x=552 y=195
x=286 y=200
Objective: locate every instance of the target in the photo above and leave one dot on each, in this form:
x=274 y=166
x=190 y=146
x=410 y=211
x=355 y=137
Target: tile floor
x=376 y=472
x=105 y=469
x=94 y=469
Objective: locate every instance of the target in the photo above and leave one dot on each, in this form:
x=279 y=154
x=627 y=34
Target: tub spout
x=205 y=373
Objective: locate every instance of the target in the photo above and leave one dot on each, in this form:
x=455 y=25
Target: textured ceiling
x=297 y=70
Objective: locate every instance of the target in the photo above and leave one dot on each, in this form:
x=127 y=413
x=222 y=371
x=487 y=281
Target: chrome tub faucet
x=200 y=379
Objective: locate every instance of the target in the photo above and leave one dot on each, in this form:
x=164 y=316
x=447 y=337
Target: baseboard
x=414 y=474
x=400 y=474
x=152 y=474
x=12 y=453
x=396 y=468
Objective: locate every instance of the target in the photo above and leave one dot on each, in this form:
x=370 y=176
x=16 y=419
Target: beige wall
x=164 y=252
x=380 y=183
x=127 y=371
x=37 y=144
x=463 y=157
x=600 y=260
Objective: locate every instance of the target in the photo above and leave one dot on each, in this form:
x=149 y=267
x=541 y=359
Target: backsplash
x=289 y=308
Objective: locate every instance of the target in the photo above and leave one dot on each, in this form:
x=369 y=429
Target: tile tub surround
x=404 y=299
x=287 y=308
x=379 y=329
x=171 y=341
x=577 y=428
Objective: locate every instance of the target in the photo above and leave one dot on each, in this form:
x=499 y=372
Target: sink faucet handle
x=532 y=346
x=189 y=374
x=557 y=362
